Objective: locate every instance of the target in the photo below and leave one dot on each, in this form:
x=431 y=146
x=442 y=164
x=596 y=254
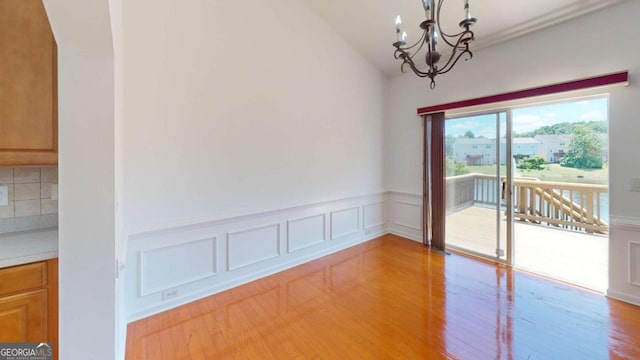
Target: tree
x=534 y=163
x=454 y=168
x=469 y=134
x=449 y=143
x=600 y=127
x=585 y=149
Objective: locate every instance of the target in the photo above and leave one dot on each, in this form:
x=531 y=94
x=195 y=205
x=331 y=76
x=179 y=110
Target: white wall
x=568 y=51
x=86 y=220
x=87 y=273
x=233 y=110
x=115 y=16
x=239 y=107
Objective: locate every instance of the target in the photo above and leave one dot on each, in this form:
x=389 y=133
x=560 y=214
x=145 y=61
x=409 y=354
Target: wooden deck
x=570 y=256
x=392 y=298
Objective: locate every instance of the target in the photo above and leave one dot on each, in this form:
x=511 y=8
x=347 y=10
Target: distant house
x=478 y=151
x=482 y=151
x=522 y=147
x=553 y=147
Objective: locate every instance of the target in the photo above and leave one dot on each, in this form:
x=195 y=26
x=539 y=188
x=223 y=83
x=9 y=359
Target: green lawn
x=553 y=172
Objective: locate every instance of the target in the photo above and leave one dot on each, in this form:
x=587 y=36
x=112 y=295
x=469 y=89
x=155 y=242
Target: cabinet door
x=23 y=317
x=28 y=103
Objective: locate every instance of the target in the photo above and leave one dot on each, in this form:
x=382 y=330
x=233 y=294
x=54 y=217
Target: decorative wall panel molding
x=190 y=261
x=305 y=232
x=199 y=259
x=634 y=263
x=407 y=214
x=373 y=215
x=625 y=223
x=344 y=222
x=248 y=247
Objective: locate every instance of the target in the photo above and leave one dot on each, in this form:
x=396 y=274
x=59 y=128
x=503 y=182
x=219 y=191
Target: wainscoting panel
x=344 y=222
x=190 y=261
x=165 y=268
x=373 y=215
x=624 y=259
x=405 y=214
x=305 y=232
x=252 y=246
x=634 y=263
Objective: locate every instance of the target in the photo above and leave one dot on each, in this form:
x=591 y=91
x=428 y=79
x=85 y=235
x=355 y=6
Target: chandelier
x=432 y=32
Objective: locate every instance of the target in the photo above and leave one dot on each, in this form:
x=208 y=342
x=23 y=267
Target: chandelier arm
x=462 y=41
x=451 y=63
x=422 y=42
x=408 y=61
x=399 y=54
x=465 y=50
x=419 y=42
x=444 y=34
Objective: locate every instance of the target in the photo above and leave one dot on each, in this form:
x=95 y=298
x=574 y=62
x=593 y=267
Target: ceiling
x=369 y=24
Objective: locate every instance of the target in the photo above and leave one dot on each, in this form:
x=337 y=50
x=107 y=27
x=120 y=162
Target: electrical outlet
x=170 y=294
x=4 y=195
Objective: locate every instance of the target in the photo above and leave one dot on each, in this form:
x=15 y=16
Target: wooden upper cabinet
x=28 y=85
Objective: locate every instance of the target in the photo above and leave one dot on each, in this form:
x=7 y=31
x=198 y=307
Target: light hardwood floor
x=392 y=298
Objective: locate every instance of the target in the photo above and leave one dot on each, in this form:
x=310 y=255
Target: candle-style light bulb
x=434 y=38
x=433 y=56
x=404 y=36
x=398 y=28
x=467 y=10
x=427 y=4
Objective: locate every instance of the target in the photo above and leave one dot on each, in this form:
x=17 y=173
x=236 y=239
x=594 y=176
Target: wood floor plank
x=392 y=298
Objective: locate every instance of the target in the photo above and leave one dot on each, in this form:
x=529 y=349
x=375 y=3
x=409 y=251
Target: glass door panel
x=475 y=214
x=560 y=190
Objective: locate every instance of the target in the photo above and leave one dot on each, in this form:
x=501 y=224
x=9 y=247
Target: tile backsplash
x=32 y=192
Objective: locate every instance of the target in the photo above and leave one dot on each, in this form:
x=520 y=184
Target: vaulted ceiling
x=369 y=24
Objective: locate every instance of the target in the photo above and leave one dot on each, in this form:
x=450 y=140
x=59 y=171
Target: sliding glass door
x=477 y=165
x=532 y=191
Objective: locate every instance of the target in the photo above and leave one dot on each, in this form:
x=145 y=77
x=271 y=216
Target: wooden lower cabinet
x=29 y=303
x=23 y=317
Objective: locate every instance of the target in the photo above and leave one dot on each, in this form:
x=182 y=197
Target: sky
x=531 y=118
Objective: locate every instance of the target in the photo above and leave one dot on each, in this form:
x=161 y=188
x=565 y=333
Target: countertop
x=28 y=246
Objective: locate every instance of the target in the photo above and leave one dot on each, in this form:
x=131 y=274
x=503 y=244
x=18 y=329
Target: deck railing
x=559 y=204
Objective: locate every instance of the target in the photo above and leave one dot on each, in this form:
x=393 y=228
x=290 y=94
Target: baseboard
x=405 y=235
x=617 y=295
